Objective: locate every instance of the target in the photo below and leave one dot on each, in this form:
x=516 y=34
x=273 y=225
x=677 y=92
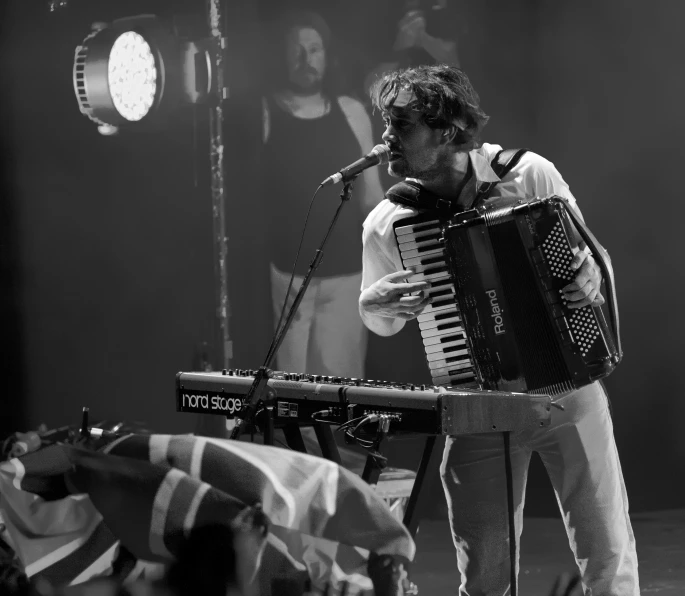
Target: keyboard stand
x=324 y=435
x=329 y=448
x=293 y=437
x=426 y=476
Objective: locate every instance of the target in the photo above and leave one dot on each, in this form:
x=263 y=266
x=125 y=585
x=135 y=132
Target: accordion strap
x=502 y=164
x=412 y=194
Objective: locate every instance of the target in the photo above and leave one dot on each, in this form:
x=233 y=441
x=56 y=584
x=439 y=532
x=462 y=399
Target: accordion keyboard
x=444 y=340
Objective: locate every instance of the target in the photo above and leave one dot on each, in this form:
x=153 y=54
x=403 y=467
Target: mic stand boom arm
x=255 y=394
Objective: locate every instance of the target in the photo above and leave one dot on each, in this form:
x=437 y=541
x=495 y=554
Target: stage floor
x=545 y=554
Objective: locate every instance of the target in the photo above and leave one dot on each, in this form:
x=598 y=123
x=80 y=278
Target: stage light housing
x=128 y=71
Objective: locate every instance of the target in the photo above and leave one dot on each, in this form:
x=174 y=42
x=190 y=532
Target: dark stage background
x=107 y=264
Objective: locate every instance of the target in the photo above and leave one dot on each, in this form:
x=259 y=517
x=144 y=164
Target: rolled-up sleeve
x=380 y=255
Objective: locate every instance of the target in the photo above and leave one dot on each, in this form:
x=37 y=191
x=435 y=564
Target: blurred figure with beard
x=311 y=130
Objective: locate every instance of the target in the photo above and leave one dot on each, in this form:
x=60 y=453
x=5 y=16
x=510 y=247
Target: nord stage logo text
x=228 y=405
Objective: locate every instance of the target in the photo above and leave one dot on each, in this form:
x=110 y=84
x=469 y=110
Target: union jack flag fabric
x=73 y=513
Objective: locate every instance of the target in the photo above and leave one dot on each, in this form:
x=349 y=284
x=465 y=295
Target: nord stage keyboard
x=412 y=409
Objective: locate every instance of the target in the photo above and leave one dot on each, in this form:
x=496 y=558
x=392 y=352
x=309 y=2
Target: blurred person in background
x=425 y=33
x=312 y=129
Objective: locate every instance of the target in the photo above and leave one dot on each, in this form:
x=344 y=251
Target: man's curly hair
x=444 y=95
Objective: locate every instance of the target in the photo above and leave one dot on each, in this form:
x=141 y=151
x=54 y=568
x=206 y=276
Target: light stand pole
x=217 y=45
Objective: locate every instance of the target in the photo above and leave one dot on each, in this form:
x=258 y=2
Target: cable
x=367 y=443
x=283 y=444
x=346 y=425
x=361 y=442
x=368 y=419
x=316 y=417
x=292 y=275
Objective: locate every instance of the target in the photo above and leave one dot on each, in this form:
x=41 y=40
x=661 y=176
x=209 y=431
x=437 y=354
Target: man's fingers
x=409 y=288
x=400 y=285
x=399 y=275
x=412 y=301
x=585 y=274
x=578 y=259
x=581 y=294
x=411 y=307
x=588 y=273
x=584 y=300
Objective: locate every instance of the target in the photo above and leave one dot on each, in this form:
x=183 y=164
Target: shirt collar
x=481 y=174
x=481 y=167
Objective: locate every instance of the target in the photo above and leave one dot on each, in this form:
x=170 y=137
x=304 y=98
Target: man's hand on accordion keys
x=392 y=296
x=584 y=290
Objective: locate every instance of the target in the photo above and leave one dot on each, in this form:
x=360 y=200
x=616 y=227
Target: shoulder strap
x=501 y=164
x=411 y=194
x=505 y=160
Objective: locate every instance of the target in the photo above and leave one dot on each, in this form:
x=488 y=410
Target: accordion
x=497 y=319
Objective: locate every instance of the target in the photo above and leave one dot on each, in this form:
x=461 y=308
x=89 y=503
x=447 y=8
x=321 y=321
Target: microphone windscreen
x=383 y=152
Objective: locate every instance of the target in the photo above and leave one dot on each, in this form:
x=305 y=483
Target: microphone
x=380 y=154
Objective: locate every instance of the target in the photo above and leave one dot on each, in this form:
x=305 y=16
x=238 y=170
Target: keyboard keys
x=440 y=323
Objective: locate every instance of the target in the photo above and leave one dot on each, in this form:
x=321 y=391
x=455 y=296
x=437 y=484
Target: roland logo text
x=496 y=312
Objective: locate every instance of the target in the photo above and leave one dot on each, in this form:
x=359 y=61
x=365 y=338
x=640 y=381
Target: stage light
x=135 y=69
x=132 y=76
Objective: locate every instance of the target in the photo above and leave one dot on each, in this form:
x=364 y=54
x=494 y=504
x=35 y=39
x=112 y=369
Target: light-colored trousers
x=579 y=454
x=327 y=337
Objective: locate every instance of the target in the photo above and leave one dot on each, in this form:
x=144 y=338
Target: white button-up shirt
x=533 y=177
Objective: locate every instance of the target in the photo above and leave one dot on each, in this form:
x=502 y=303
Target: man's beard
x=401 y=168
x=398 y=169
x=311 y=89
x=306 y=85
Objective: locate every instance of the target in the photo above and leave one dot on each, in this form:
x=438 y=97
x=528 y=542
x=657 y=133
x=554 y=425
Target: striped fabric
x=324 y=520
x=64 y=540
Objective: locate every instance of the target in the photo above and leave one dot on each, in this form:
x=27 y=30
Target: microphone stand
x=255 y=394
